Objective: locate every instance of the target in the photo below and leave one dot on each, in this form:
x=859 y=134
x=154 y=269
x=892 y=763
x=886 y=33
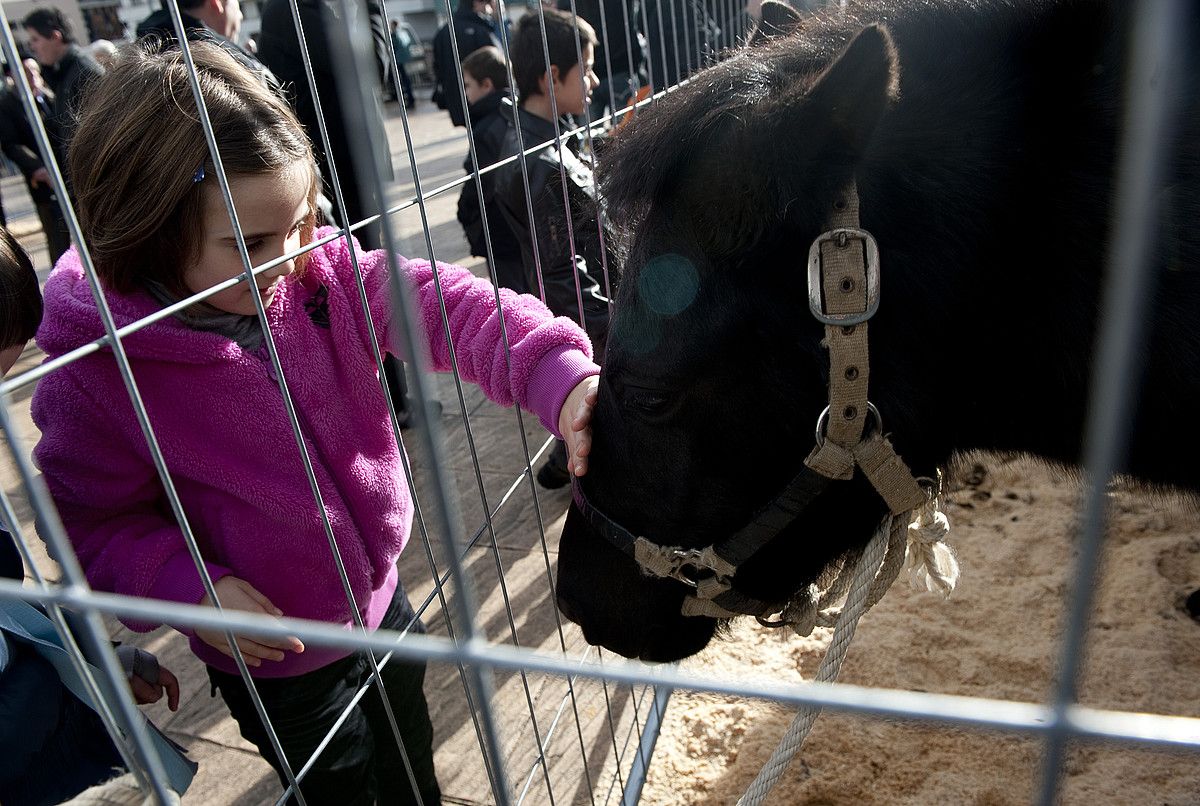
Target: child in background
x=52 y=744
x=485 y=79
x=154 y=217
x=568 y=252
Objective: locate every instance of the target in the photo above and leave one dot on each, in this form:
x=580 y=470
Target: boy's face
x=476 y=89
x=48 y=50
x=573 y=92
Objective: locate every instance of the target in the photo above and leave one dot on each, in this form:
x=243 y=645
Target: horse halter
x=843 y=294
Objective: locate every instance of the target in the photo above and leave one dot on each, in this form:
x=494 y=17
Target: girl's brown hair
x=137 y=156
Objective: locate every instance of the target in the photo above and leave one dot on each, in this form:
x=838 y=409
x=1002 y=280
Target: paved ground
x=511 y=574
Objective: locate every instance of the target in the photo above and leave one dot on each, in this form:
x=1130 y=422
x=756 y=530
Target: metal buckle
x=841 y=237
x=689 y=559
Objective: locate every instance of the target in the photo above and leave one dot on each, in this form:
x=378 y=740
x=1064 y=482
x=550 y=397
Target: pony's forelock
x=644 y=161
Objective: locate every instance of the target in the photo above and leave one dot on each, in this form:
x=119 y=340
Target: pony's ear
x=778 y=19
x=850 y=97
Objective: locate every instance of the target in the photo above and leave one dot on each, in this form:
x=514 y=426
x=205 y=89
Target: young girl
x=155 y=220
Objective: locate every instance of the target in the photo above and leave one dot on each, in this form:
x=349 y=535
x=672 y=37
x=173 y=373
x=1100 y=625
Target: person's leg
x=303 y=710
x=554 y=474
x=403 y=683
x=510 y=272
x=397 y=384
x=410 y=100
x=58 y=238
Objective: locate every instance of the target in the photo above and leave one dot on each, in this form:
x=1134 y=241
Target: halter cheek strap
x=843 y=294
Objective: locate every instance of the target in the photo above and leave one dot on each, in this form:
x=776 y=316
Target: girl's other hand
x=238 y=594
x=575 y=423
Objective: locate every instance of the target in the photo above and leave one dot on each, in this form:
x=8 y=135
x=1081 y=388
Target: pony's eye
x=648 y=401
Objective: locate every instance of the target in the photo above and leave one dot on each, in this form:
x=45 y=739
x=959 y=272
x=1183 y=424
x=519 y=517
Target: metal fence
x=553 y=720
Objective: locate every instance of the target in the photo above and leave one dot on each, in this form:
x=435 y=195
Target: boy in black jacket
x=566 y=258
x=485 y=78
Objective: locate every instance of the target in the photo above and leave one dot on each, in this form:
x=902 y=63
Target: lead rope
x=917 y=545
x=866 y=579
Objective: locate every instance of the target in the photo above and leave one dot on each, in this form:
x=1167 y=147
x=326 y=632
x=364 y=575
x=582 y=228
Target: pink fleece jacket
x=220 y=421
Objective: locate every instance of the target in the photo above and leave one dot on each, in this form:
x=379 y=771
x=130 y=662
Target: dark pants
x=58 y=238
x=397 y=384
x=406 y=87
x=52 y=746
x=510 y=272
x=362 y=764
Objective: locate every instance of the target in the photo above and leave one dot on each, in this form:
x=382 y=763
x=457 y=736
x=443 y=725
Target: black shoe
x=407 y=417
x=552 y=477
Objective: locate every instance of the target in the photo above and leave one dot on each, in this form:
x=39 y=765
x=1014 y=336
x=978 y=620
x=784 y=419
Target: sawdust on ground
x=1014 y=525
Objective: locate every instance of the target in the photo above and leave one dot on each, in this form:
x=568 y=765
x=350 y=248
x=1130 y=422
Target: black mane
x=697 y=128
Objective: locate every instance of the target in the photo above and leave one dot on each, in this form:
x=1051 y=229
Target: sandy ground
x=997 y=636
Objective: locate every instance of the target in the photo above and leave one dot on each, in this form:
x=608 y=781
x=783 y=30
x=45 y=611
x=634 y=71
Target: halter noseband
x=843 y=294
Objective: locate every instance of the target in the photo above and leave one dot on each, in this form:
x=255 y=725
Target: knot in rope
x=930 y=562
x=810 y=610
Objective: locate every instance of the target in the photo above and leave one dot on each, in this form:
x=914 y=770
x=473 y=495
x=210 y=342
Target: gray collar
x=244 y=330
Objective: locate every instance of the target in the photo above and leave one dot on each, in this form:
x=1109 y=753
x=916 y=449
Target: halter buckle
x=694 y=561
x=842 y=237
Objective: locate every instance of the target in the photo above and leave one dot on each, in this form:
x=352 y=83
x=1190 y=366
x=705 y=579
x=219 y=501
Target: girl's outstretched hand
x=238 y=594
x=575 y=423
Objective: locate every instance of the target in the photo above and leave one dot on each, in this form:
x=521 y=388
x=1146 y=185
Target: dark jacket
x=489 y=126
x=18 y=143
x=681 y=35
x=159 y=24
x=68 y=81
x=620 y=21
x=561 y=267
x=471 y=32
x=279 y=49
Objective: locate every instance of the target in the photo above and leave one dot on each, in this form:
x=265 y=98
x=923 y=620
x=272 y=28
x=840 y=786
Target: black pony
x=982 y=137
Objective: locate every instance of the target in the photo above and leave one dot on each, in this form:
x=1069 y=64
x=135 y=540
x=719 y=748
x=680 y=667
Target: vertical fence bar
x=1153 y=74
x=54 y=531
x=632 y=795
x=350 y=66
x=130 y=719
x=343 y=215
x=489 y=525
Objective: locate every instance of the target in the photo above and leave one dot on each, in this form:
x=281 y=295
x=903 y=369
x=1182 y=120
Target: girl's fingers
x=252 y=648
x=289 y=643
x=257 y=595
x=578 y=458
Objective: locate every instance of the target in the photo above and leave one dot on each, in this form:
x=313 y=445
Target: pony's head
x=715 y=373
